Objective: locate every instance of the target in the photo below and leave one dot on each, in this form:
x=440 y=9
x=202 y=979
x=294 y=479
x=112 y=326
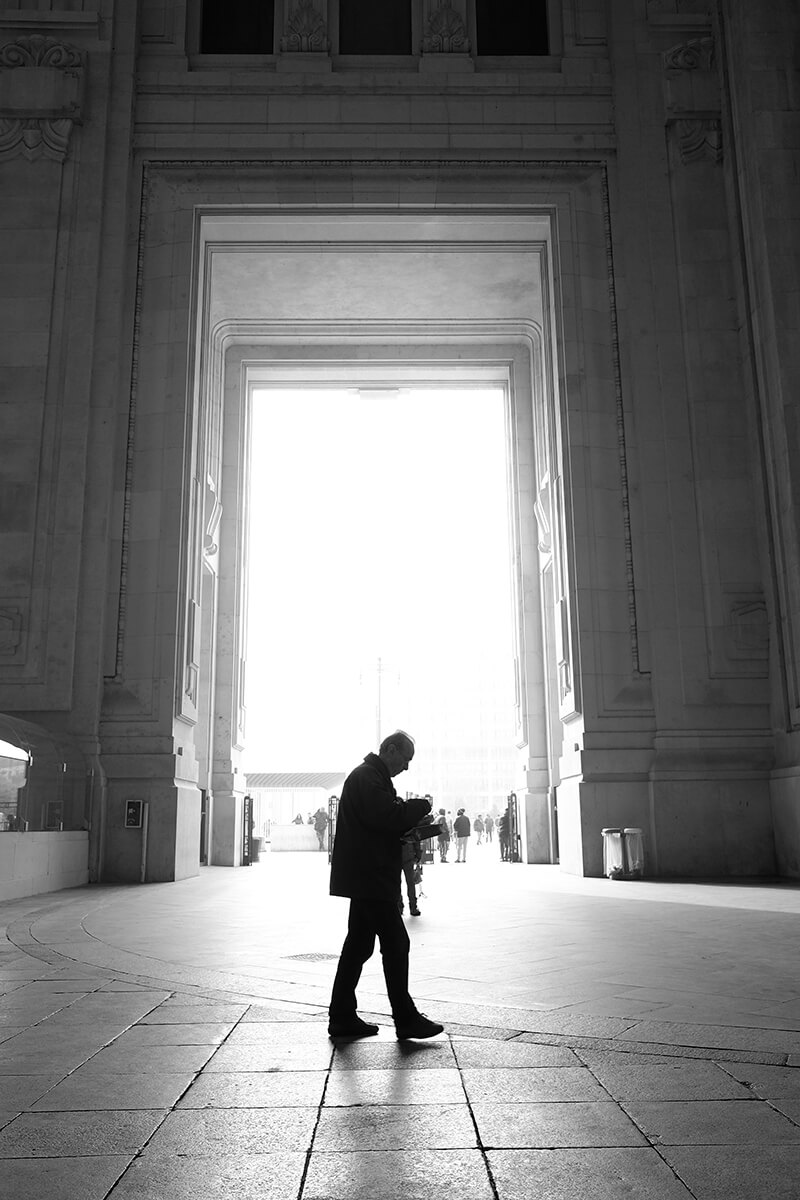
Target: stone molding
x=306 y=31
x=42 y=84
x=181 y=176
x=445 y=31
x=699 y=138
x=695 y=55
x=622 y=451
x=11 y=630
x=692 y=100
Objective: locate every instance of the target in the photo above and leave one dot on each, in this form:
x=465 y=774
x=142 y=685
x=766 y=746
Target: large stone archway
x=460 y=272
x=268 y=270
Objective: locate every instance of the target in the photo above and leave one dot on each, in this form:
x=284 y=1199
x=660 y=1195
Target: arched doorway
x=482 y=283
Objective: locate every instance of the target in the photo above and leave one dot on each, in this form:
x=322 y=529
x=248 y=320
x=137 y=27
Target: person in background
x=412 y=858
x=461 y=828
x=298 y=820
x=366 y=865
x=320 y=825
x=488 y=826
x=444 y=836
x=477 y=825
x=502 y=836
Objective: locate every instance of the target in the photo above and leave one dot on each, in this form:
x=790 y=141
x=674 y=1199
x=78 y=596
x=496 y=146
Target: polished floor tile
x=61 y=1178
x=529 y=1085
x=597 y=1174
x=89 y=1089
x=395 y=1127
x=552 y=1125
x=713 y=1123
x=731 y=1172
x=202 y=1132
x=398 y=1175
x=77 y=1134
x=254 y=1089
x=680 y=1079
x=350 y=1088
x=218 y=1176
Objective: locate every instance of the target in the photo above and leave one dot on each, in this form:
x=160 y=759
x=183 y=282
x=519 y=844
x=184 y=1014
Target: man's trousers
x=369 y=919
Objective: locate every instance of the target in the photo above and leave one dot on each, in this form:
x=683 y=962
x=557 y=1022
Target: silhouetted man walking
x=366 y=866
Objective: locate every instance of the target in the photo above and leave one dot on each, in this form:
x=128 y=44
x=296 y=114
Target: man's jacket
x=367 y=858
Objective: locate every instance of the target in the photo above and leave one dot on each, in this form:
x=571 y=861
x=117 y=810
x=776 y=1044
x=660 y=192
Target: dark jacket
x=461 y=826
x=371 y=819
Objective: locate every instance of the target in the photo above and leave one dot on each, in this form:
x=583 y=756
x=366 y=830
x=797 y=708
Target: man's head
x=396 y=752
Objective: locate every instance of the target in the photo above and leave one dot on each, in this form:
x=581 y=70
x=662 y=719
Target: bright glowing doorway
x=380 y=585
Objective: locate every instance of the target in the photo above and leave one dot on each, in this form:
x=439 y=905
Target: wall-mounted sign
x=133 y=814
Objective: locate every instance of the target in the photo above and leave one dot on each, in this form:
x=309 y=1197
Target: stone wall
x=661 y=503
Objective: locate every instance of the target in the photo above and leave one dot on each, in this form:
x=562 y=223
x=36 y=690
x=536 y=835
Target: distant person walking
x=461 y=828
x=366 y=865
x=412 y=869
x=502 y=836
x=444 y=836
x=320 y=825
x=488 y=826
x=477 y=825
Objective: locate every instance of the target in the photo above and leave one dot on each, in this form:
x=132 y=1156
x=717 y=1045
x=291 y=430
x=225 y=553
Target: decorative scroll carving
x=306 y=31
x=40 y=51
x=699 y=139
x=446 y=32
x=543 y=523
x=213 y=518
x=694 y=55
x=41 y=96
x=692 y=99
x=35 y=138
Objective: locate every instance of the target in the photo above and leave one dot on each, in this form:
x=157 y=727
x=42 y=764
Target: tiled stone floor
x=603 y=1041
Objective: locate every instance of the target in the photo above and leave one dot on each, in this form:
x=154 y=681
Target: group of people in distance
x=460 y=830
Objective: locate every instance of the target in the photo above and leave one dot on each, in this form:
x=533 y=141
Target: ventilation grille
x=315 y=956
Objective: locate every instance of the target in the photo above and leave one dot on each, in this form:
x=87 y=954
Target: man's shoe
x=419 y=1027
x=355 y=1028
x=415 y=912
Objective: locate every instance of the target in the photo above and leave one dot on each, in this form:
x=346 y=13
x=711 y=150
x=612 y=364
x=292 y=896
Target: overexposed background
x=380 y=576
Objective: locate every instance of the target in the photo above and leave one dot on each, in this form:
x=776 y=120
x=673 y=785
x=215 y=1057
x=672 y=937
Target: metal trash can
x=633 y=845
x=613 y=853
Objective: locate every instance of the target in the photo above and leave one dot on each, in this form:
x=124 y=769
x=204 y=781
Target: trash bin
x=257 y=845
x=613 y=853
x=634 y=853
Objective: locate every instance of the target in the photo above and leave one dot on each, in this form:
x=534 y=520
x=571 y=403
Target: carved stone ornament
x=10 y=631
x=213 y=516
x=694 y=55
x=41 y=96
x=35 y=138
x=699 y=139
x=305 y=31
x=446 y=32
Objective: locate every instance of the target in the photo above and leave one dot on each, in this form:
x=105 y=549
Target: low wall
x=294 y=837
x=31 y=863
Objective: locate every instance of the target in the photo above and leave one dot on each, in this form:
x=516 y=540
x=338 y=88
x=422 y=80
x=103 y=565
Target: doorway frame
x=564 y=208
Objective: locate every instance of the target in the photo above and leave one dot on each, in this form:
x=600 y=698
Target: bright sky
x=379 y=530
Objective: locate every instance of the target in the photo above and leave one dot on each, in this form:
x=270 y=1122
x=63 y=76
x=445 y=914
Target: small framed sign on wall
x=133 y=814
